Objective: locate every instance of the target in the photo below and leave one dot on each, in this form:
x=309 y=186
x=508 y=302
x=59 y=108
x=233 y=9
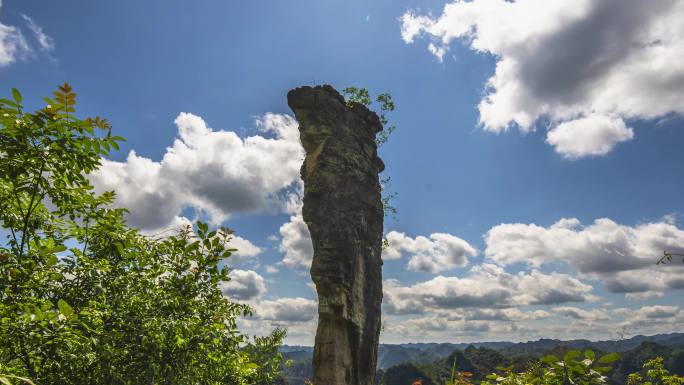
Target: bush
x=575 y=368
x=405 y=374
x=88 y=300
x=656 y=374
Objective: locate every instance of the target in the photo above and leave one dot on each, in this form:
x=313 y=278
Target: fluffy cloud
x=245 y=248
x=286 y=310
x=434 y=254
x=605 y=249
x=582 y=314
x=658 y=311
x=504 y=315
x=297 y=314
x=437 y=253
x=635 y=287
x=591 y=135
x=433 y=328
x=296 y=242
x=487 y=286
x=585 y=65
x=601 y=247
x=215 y=172
x=244 y=285
x=654 y=319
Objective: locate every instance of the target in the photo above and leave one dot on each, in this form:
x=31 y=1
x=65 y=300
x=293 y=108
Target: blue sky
x=511 y=117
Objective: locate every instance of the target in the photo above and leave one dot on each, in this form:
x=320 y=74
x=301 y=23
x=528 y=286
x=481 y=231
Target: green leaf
x=58 y=249
x=572 y=356
x=608 y=358
x=64 y=308
x=8 y=102
x=550 y=359
x=603 y=369
x=16 y=95
x=589 y=354
x=202 y=226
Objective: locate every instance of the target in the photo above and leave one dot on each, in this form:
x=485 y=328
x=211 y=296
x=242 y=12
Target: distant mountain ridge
x=393 y=354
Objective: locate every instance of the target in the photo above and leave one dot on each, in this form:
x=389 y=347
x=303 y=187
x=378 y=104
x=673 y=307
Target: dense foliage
x=405 y=373
x=676 y=362
x=580 y=368
x=656 y=374
x=475 y=363
x=575 y=368
x=85 y=299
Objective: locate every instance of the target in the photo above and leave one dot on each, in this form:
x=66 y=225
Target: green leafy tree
x=656 y=374
x=676 y=362
x=484 y=360
x=406 y=374
x=576 y=368
x=86 y=299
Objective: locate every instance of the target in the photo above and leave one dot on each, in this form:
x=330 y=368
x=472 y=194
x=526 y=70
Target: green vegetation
x=676 y=362
x=362 y=96
x=384 y=100
x=406 y=373
x=575 y=368
x=656 y=374
x=472 y=364
x=85 y=299
x=581 y=368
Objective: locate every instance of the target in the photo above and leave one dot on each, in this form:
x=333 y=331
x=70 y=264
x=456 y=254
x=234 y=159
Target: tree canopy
x=86 y=299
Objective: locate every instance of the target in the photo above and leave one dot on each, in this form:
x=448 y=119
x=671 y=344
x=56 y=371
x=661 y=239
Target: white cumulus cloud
x=216 y=173
x=433 y=254
x=617 y=254
x=582 y=314
x=590 y=135
x=286 y=309
x=653 y=318
x=244 y=285
x=486 y=286
x=295 y=242
x=585 y=65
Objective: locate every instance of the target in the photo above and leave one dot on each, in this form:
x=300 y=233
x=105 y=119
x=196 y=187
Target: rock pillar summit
x=344 y=213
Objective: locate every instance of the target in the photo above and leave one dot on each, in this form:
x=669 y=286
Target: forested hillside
x=434 y=361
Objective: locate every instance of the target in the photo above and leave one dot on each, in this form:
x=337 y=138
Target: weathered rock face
x=343 y=210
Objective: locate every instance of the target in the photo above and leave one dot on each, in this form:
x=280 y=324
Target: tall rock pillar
x=344 y=213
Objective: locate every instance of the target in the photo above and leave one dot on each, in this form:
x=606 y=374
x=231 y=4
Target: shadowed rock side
x=343 y=210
